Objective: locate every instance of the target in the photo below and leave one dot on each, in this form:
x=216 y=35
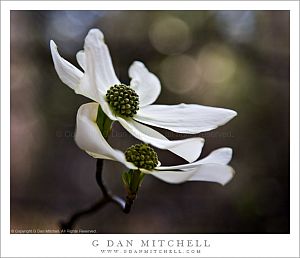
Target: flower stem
x=99 y=166
x=129 y=203
x=132 y=181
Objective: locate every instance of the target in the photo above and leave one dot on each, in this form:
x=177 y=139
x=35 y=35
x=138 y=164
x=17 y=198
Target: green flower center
x=123 y=100
x=142 y=156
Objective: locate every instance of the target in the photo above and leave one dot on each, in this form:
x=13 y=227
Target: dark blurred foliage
x=233 y=59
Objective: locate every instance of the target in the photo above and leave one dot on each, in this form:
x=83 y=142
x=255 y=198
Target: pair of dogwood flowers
x=132 y=107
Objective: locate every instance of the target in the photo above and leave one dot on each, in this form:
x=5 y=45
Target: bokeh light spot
x=237 y=25
x=180 y=74
x=170 y=35
x=217 y=63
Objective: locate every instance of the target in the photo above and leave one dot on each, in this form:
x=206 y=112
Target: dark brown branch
x=107 y=198
x=99 y=180
x=72 y=221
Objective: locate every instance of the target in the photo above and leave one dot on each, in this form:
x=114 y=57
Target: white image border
x=222 y=245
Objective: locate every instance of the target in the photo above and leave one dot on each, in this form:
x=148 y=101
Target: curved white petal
x=68 y=73
x=146 y=84
x=89 y=138
x=172 y=177
x=184 y=118
x=72 y=76
x=220 y=156
x=189 y=149
x=80 y=56
x=96 y=61
x=217 y=173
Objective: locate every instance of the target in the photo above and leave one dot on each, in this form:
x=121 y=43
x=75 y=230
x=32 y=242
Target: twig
x=99 y=180
x=107 y=198
x=66 y=226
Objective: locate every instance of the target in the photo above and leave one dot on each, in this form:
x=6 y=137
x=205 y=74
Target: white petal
x=172 y=177
x=99 y=71
x=89 y=138
x=67 y=72
x=106 y=108
x=146 y=84
x=72 y=76
x=80 y=56
x=189 y=149
x=184 y=118
x=217 y=173
x=220 y=156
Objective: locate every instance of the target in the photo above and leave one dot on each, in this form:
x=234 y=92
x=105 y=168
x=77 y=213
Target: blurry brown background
x=233 y=59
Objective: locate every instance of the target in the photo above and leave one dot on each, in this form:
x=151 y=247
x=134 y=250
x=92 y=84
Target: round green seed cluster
x=142 y=156
x=123 y=100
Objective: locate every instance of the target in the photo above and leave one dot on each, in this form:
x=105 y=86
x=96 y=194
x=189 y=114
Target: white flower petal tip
x=68 y=73
x=189 y=149
x=95 y=33
x=228 y=115
x=52 y=44
x=217 y=173
x=185 y=118
x=145 y=83
x=220 y=156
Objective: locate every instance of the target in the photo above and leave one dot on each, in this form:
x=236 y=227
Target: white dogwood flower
x=142 y=158
x=131 y=105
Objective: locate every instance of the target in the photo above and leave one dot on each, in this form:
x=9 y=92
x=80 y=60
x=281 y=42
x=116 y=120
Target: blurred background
x=232 y=59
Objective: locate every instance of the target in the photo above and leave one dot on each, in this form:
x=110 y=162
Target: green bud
x=123 y=100
x=142 y=156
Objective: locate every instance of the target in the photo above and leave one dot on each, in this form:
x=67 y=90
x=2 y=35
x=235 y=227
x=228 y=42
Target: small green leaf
x=103 y=122
x=126 y=179
x=132 y=180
